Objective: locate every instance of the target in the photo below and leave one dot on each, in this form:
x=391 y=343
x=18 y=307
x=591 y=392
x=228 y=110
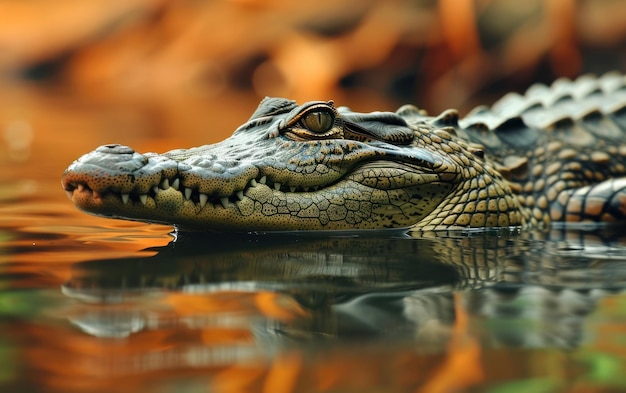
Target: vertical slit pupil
x=318 y=121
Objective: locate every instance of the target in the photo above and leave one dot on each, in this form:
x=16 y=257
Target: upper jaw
x=138 y=178
x=200 y=177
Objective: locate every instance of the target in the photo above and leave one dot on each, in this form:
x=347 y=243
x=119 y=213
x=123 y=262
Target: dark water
x=89 y=304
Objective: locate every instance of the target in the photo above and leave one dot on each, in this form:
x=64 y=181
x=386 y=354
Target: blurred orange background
x=164 y=74
x=370 y=54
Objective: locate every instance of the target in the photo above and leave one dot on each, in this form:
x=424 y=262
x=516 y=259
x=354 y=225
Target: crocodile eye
x=313 y=121
x=318 y=121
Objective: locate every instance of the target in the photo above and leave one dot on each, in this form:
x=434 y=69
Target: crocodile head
x=293 y=167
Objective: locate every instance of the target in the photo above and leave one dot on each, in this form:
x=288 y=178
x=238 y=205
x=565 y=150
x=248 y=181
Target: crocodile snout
x=118 y=168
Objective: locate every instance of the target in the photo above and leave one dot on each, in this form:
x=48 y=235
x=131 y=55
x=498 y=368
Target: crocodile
x=555 y=154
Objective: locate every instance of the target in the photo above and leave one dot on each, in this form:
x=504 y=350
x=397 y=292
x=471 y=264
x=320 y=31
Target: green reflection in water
x=603 y=359
x=604 y=369
x=537 y=385
x=8 y=370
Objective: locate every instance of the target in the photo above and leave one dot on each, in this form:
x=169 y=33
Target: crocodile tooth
x=305 y=188
x=277 y=186
x=292 y=189
x=240 y=195
x=69 y=194
x=143 y=198
x=224 y=202
x=253 y=183
x=175 y=184
x=188 y=192
x=315 y=188
x=203 y=199
x=165 y=184
x=155 y=189
x=263 y=179
x=125 y=198
x=80 y=188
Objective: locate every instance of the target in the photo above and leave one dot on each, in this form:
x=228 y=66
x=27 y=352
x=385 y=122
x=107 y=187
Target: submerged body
x=556 y=154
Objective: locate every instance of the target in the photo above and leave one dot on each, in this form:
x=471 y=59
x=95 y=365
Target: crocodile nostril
x=115 y=149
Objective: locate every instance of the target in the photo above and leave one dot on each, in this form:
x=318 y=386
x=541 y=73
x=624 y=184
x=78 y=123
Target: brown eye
x=318 y=121
x=314 y=120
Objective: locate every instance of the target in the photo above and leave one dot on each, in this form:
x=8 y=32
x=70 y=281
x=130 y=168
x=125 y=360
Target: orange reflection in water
x=269 y=304
x=192 y=338
x=462 y=368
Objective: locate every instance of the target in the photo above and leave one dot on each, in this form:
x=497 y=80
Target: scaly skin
x=555 y=154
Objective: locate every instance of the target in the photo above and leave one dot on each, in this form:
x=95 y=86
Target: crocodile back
x=562 y=148
x=588 y=114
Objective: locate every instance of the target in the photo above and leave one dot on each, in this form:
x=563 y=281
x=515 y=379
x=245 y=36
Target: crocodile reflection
x=350 y=287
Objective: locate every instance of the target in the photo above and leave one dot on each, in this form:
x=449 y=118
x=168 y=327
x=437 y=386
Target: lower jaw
x=171 y=208
x=188 y=216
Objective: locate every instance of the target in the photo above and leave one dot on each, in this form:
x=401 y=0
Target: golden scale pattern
x=573 y=170
x=482 y=200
